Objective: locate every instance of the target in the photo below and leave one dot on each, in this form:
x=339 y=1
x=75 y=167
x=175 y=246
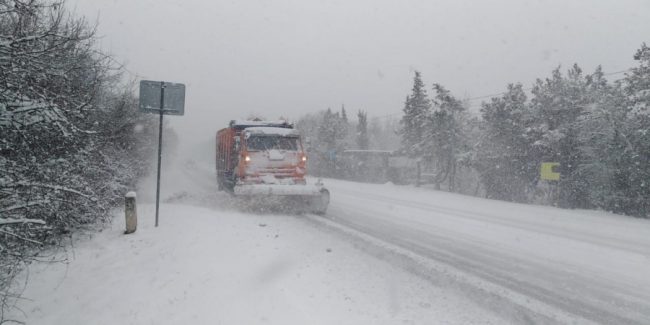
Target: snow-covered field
x=384 y=254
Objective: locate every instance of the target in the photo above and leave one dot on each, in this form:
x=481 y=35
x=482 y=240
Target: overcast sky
x=287 y=58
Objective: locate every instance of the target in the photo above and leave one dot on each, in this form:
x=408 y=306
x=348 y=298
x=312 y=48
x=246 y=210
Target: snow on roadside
x=204 y=266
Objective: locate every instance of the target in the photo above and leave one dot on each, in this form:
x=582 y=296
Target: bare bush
x=69 y=144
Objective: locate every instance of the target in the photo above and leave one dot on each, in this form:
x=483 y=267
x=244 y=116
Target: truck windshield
x=261 y=143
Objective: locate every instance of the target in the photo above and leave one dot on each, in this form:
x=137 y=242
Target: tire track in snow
x=494 y=219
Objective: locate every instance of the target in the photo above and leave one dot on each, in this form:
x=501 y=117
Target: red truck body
x=257 y=152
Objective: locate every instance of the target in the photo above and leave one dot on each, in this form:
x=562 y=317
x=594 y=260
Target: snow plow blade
x=276 y=189
x=315 y=197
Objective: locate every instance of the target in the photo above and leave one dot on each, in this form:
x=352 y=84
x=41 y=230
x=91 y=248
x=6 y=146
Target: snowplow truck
x=266 y=159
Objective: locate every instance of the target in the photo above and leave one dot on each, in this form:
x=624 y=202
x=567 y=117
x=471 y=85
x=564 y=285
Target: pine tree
x=362 y=130
x=332 y=133
x=443 y=140
x=416 y=110
x=602 y=143
x=327 y=130
x=635 y=163
x=637 y=83
x=342 y=129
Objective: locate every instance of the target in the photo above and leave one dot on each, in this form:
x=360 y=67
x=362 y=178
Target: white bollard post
x=130 y=212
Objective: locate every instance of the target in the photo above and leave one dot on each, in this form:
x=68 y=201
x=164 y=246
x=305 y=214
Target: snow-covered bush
x=69 y=147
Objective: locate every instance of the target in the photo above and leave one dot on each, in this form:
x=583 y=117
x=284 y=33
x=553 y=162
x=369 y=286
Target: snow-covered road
x=539 y=262
x=383 y=254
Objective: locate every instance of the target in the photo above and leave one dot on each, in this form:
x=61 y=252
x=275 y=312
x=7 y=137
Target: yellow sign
x=547 y=172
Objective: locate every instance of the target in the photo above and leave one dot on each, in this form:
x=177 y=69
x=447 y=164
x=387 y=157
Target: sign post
x=154 y=99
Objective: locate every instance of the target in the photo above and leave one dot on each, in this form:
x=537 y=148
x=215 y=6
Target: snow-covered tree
x=602 y=137
x=637 y=83
x=328 y=131
x=344 y=130
x=443 y=140
x=417 y=109
x=362 y=130
x=326 y=135
x=557 y=103
x=503 y=153
x=635 y=162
